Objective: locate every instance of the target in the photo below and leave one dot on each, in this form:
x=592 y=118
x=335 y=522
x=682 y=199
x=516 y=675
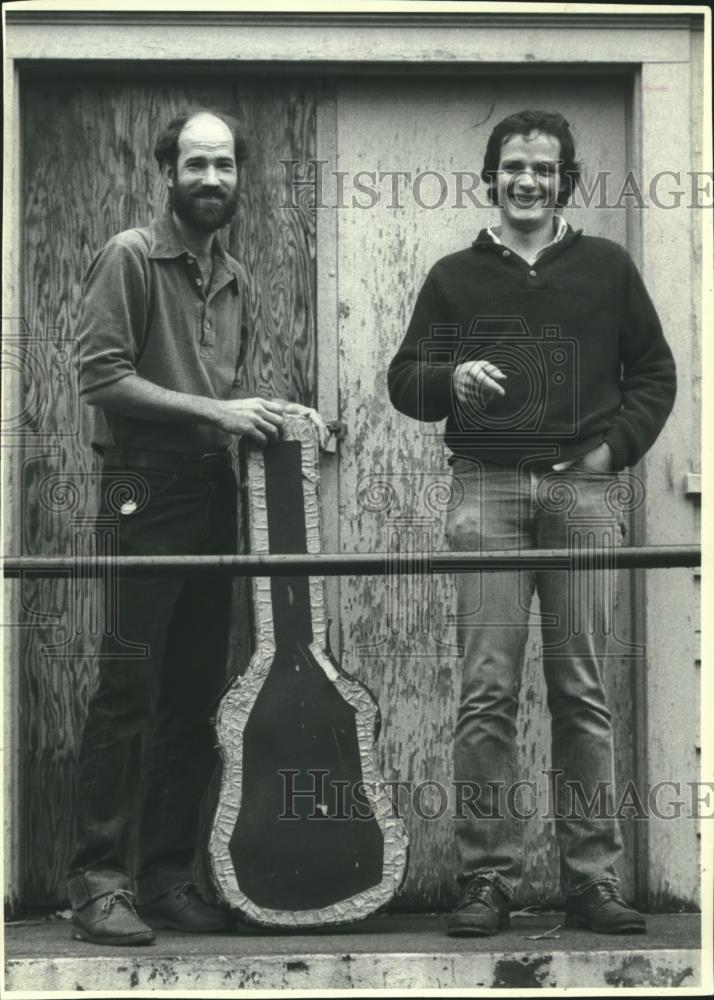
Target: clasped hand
x=478 y=380
x=262 y=419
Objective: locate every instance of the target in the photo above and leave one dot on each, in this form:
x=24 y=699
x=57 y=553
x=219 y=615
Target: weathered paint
x=447 y=970
x=372 y=38
x=11 y=505
x=671 y=246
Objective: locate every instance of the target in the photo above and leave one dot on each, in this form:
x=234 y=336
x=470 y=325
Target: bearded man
x=162 y=338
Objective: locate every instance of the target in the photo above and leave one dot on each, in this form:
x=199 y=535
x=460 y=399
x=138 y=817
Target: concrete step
x=392 y=951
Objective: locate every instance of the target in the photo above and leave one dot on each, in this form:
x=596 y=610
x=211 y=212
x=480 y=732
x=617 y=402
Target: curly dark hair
x=521 y=123
x=166 y=149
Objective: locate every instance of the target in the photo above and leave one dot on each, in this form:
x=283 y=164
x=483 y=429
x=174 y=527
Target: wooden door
x=393 y=479
x=88 y=172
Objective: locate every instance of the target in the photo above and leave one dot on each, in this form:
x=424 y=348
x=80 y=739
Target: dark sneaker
x=103 y=911
x=602 y=909
x=183 y=908
x=482 y=910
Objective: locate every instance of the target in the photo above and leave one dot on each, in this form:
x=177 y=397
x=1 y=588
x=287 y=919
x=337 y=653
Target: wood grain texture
x=89 y=173
x=397 y=635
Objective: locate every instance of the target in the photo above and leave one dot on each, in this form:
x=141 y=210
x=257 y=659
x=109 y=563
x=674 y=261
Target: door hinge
x=692 y=484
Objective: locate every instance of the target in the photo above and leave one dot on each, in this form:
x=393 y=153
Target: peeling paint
x=524 y=973
x=679 y=979
x=637 y=970
x=567 y=965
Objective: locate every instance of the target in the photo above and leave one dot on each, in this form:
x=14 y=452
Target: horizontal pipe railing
x=356 y=563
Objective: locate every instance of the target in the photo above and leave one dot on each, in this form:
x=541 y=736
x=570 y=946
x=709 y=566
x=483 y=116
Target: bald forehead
x=205 y=133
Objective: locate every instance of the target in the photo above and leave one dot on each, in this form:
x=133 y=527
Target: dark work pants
x=162 y=666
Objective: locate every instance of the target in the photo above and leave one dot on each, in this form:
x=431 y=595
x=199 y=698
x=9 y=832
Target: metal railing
x=357 y=563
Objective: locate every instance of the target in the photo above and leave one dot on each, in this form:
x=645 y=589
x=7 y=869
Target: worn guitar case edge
x=235 y=708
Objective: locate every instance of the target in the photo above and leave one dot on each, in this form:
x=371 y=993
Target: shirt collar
x=561 y=229
x=166 y=244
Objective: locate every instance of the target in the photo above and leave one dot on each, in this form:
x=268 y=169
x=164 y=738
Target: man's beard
x=196 y=210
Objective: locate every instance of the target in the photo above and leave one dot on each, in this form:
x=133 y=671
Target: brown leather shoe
x=483 y=910
x=602 y=909
x=183 y=908
x=103 y=910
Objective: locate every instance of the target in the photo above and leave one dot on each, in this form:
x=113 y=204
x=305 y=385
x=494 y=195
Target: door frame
x=666 y=54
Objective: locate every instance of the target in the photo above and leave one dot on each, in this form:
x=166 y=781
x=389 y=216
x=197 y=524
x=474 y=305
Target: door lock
x=338 y=432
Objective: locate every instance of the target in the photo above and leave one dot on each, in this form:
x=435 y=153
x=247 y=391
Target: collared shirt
x=146 y=312
x=561 y=228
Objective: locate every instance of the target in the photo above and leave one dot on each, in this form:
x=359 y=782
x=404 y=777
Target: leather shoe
x=103 y=910
x=602 y=909
x=482 y=910
x=183 y=908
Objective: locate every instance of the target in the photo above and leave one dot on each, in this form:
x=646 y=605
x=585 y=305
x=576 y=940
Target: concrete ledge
x=394 y=951
x=341 y=972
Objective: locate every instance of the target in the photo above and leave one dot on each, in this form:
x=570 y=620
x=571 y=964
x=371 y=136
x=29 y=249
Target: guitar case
x=304 y=833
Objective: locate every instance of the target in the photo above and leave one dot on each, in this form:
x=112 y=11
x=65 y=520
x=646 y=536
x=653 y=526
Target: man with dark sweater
x=542 y=349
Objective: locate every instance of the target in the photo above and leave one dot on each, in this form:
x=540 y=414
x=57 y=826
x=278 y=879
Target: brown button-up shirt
x=146 y=312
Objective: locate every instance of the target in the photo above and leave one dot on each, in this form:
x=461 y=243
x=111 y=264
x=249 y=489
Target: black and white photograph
x=355 y=395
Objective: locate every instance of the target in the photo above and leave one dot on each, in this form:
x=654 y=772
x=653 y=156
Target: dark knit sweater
x=576 y=334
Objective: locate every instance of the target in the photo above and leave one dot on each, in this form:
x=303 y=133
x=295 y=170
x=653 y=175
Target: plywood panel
x=397 y=635
x=89 y=173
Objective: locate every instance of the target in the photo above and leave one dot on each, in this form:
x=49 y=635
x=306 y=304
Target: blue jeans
x=514 y=508
x=162 y=666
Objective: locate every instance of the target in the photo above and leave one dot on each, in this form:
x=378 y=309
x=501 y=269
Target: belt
x=213 y=463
